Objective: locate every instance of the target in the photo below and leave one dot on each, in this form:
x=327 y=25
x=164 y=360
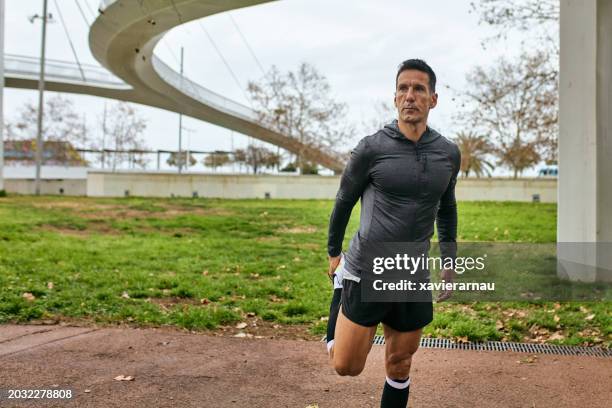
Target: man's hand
x=447 y=276
x=334 y=261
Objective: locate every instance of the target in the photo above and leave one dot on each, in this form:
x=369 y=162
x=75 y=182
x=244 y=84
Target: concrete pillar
x=584 y=226
x=1 y=95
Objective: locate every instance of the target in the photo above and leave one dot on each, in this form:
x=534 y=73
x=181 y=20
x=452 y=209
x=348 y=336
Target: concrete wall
x=210 y=185
x=71 y=187
x=503 y=189
x=247 y=186
x=108 y=184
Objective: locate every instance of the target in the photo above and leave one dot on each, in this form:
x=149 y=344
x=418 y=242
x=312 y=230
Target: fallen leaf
x=28 y=296
x=49 y=285
x=124 y=378
x=241 y=325
x=125 y=295
x=462 y=339
x=205 y=273
x=204 y=301
x=590 y=317
x=87 y=390
x=529 y=360
x=556 y=318
x=556 y=336
x=499 y=325
x=250 y=314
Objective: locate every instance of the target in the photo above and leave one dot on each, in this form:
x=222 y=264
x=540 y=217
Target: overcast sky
x=357 y=44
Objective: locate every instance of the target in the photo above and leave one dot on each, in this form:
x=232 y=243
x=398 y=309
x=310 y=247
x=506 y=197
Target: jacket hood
x=392 y=130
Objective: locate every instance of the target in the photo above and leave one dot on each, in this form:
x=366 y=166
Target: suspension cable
x=263 y=71
x=82 y=13
x=90 y=9
x=224 y=62
x=178 y=62
x=59 y=12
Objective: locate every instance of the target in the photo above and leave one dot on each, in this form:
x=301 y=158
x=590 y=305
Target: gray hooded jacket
x=404 y=187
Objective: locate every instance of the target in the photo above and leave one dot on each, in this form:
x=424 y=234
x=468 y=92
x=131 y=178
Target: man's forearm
x=337 y=226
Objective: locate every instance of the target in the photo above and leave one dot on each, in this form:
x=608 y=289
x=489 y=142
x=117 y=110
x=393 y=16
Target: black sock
x=393 y=397
x=334 y=308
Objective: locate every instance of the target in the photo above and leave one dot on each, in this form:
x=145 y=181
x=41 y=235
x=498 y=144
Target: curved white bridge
x=122 y=39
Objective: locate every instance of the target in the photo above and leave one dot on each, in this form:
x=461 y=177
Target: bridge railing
x=200 y=93
x=20 y=65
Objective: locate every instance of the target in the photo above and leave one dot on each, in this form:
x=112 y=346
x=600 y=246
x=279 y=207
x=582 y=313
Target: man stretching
x=405 y=175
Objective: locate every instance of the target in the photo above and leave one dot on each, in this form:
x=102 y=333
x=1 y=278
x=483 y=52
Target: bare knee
x=348 y=368
x=398 y=365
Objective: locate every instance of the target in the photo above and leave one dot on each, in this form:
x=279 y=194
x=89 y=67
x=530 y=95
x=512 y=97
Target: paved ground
x=178 y=369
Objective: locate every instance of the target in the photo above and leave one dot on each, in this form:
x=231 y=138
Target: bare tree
x=217 y=159
x=300 y=105
x=476 y=152
x=384 y=112
x=517 y=104
x=61 y=123
x=537 y=17
x=257 y=157
x=124 y=127
x=522 y=14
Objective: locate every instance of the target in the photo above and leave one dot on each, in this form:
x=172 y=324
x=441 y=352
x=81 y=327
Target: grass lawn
x=207 y=264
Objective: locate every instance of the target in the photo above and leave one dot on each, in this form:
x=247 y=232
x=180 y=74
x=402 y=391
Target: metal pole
x=1 y=94
x=180 y=146
x=103 y=134
x=232 y=149
x=158 y=160
x=41 y=90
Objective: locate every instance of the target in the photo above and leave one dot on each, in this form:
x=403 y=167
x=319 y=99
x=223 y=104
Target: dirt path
x=179 y=369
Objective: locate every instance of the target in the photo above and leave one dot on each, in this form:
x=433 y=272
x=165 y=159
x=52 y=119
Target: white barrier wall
x=210 y=185
x=69 y=187
x=108 y=184
x=504 y=189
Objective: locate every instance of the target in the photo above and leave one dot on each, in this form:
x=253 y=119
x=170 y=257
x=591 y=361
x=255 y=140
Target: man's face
x=413 y=98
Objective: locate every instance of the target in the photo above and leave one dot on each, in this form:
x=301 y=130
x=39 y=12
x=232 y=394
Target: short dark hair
x=419 y=65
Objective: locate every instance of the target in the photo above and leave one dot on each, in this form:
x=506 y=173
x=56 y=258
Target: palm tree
x=475 y=150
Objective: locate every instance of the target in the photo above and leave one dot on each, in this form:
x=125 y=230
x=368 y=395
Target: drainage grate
x=430 y=342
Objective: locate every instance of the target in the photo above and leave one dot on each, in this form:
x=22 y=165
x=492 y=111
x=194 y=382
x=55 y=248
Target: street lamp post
x=180 y=135
x=41 y=89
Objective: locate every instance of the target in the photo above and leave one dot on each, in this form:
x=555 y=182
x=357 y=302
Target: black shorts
x=400 y=316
